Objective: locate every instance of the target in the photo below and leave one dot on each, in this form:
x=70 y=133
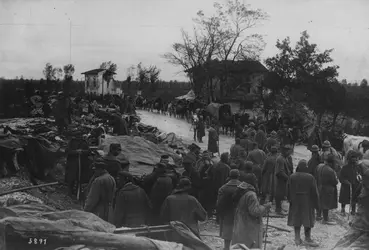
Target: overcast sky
x=34 y=32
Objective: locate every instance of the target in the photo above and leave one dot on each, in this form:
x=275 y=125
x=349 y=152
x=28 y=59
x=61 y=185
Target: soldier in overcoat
x=282 y=173
x=213 y=146
x=314 y=161
x=349 y=182
x=180 y=206
x=132 y=206
x=225 y=207
x=327 y=185
x=101 y=192
x=268 y=175
x=248 y=221
x=304 y=199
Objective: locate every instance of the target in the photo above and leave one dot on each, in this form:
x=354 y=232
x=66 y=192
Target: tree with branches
x=68 y=71
x=142 y=75
x=111 y=69
x=307 y=72
x=223 y=36
x=52 y=73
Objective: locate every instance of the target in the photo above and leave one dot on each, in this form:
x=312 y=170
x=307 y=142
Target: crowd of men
x=238 y=190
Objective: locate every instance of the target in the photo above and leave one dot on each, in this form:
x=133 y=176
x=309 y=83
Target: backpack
x=162 y=187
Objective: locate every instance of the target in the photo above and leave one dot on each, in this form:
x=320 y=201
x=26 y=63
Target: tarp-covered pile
x=142 y=154
x=38 y=226
x=189 y=96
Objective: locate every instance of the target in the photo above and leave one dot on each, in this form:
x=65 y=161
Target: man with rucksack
x=162 y=187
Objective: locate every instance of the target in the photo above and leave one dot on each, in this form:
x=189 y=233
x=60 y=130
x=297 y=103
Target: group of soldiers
x=238 y=190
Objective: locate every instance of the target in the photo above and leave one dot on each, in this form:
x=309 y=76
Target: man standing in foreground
x=100 y=196
x=327 y=186
x=225 y=208
x=180 y=206
x=304 y=199
x=248 y=220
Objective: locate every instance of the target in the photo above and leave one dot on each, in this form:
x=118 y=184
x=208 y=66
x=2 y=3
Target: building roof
x=96 y=71
x=244 y=66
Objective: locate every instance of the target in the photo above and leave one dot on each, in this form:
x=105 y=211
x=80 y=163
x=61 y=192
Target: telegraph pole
x=70 y=41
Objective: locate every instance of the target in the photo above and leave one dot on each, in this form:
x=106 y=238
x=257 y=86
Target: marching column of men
x=239 y=189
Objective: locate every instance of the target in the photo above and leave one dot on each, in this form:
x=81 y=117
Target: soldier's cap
x=164 y=157
x=302 y=166
x=365 y=144
x=286 y=146
x=314 y=148
x=273 y=133
x=206 y=154
x=233 y=166
x=273 y=148
x=252 y=124
x=351 y=153
x=183 y=185
x=234 y=173
x=326 y=144
x=249 y=165
x=160 y=166
x=115 y=146
x=99 y=164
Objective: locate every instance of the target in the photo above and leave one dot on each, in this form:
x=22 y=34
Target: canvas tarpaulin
x=189 y=96
x=141 y=153
x=47 y=229
x=74 y=229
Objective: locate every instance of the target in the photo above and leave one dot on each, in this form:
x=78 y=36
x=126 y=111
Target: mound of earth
x=141 y=153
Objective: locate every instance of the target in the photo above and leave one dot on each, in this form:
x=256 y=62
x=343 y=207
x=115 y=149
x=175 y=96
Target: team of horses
x=222 y=116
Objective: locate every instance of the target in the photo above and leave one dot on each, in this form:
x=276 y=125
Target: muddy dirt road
x=325 y=235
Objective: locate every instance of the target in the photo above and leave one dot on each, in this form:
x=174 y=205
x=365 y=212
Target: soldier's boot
x=308 y=238
x=227 y=244
x=343 y=209
x=298 y=240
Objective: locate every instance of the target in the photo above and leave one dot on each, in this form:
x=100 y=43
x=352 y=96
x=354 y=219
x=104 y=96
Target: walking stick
x=350 y=210
x=79 y=176
x=266 y=231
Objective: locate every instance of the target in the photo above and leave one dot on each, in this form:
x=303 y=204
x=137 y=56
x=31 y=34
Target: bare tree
x=224 y=36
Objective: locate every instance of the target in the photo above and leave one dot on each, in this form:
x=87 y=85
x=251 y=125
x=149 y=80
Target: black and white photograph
x=184 y=124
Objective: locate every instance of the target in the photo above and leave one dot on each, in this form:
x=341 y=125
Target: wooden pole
x=151 y=229
x=27 y=188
